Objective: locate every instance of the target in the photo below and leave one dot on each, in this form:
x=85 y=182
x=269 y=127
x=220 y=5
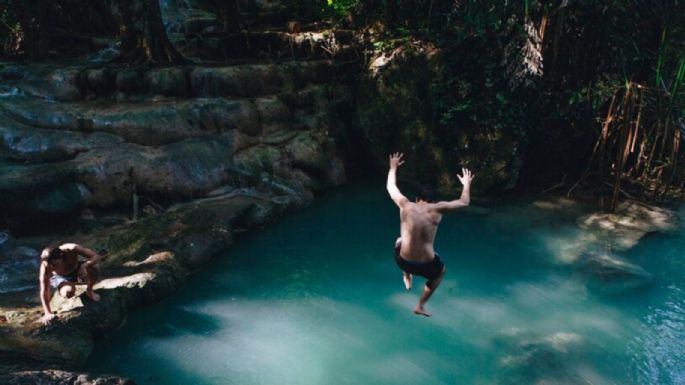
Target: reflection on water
x=317 y=299
x=658 y=348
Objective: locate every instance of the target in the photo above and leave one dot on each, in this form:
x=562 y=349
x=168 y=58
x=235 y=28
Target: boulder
x=310 y=150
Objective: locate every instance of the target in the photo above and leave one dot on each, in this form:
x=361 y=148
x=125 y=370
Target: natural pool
x=317 y=299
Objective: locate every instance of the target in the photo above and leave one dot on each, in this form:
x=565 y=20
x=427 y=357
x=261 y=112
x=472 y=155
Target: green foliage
x=10 y=30
x=343 y=7
x=590 y=52
x=474 y=92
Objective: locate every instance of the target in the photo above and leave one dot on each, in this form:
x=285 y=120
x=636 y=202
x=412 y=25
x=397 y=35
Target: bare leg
x=428 y=290
x=407 y=278
x=67 y=290
x=91 y=274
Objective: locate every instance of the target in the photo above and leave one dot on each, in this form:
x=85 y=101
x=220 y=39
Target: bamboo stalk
x=622 y=146
x=637 y=122
x=601 y=143
x=543 y=26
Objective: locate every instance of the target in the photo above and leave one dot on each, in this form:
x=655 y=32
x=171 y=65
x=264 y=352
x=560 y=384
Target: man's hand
x=396 y=160
x=47 y=318
x=466 y=177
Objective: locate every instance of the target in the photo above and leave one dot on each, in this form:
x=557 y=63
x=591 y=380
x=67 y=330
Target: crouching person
x=62 y=268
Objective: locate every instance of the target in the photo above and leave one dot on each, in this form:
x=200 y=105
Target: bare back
x=418 y=226
x=67 y=265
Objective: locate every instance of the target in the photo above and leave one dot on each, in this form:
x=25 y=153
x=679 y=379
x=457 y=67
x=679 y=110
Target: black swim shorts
x=428 y=270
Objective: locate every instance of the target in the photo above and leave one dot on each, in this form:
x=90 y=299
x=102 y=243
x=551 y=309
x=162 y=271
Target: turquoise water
x=317 y=299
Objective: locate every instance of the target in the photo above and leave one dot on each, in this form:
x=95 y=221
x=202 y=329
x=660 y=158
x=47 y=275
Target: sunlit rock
x=632 y=221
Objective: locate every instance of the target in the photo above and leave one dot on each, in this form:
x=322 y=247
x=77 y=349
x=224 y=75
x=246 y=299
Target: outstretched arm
x=395 y=194
x=465 y=198
x=45 y=295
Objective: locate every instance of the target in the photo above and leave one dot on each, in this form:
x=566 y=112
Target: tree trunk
x=228 y=15
x=142 y=34
x=390 y=12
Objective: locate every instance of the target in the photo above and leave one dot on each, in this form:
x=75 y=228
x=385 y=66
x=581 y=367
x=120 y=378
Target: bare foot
x=421 y=311
x=93 y=295
x=407 y=278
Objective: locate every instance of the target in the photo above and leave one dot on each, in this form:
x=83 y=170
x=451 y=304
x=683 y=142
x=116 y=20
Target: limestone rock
x=631 y=221
x=18 y=263
x=239 y=81
x=129 y=80
x=26 y=144
x=167 y=81
x=310 y=151
x=54 y=83
x=52 y=377
x=99 y=81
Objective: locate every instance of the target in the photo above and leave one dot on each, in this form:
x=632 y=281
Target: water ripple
x=658 y=353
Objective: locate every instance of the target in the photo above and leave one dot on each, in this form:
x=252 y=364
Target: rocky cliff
x=158 y=169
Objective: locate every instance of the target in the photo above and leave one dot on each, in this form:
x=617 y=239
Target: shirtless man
x=61 y=268
x=414 y=253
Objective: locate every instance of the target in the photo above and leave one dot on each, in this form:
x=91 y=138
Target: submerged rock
x=610 y=274
x=534 y=359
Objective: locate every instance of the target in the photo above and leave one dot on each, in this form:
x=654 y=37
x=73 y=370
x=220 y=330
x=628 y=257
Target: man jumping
x=414 y=253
